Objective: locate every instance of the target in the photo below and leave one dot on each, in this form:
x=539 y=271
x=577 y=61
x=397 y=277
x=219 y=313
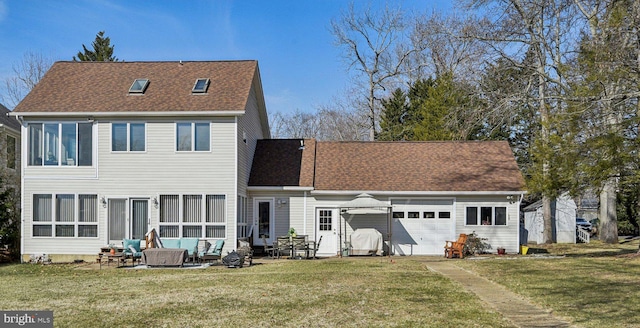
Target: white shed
x=563 y=230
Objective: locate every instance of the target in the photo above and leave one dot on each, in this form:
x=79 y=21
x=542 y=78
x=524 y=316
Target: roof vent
x=200 y=86
x=139 y=86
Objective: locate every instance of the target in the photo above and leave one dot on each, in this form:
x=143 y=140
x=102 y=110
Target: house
x=434 y=191
x=10 y=145
x=115 y=149
x=563 y=218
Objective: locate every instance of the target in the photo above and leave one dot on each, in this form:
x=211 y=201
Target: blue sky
x=299 y=65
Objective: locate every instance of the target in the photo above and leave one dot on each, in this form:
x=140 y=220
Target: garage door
x=421 y=226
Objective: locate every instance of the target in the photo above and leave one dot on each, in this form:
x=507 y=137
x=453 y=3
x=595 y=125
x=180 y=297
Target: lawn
x=596 y=285
x=593 y=285
x=363 y=292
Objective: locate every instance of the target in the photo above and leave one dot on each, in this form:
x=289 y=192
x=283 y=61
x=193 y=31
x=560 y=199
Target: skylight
x=139 y=86
x=200 y=86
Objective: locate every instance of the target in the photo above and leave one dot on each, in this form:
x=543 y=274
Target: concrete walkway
x=515 y=308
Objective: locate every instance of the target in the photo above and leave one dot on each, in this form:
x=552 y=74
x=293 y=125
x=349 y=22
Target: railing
x=583 y=235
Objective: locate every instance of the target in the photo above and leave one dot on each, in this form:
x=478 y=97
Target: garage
x=421 y=226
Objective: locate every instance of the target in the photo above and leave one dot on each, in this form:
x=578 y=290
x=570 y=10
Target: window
x=68 y=216
x=325 y=220
x=488 y=215
x=444 y=215
x=429 y=215
x=413 y=215
x=200 y=86
x=398 y=215
x=128 y=137
x=194 y=216
x=139 y=86
x=11 y=152
x=60 y=144
x=472 y=216
x=193 y=137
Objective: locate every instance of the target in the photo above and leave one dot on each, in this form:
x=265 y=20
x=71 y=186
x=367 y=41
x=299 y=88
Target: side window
x=193 y=137
x=472 y=216
x=128 y=137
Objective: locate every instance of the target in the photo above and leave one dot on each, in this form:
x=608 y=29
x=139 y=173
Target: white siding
x=158 y=170
x=294 y=214
x=498 y=236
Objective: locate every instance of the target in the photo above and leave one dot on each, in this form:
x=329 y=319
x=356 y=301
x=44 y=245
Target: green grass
x=596 y=285
x=366 y=292
x=592 y=285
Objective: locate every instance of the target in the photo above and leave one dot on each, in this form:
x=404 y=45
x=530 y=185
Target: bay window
x=60 y=144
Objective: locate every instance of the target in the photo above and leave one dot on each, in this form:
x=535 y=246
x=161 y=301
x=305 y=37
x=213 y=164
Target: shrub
x=476 y=245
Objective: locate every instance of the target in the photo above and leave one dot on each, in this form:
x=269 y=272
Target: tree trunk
x=547 y=217
x=608 y=217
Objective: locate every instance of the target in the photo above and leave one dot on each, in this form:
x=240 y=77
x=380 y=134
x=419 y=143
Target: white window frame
x=128 y=137
x=202 y=223
x=192 y=147
x=76 y=223
x=493 y=216
x=59 y=144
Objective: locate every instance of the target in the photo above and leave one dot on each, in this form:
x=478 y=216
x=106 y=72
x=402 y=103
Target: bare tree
x=375 y=46
x=27 y=73
x=447 y=49
x=541 y=30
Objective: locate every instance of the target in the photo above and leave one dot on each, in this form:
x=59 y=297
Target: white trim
x=132 y=114
x=234 y=221
x=272 y=217
x=417 y=193
x=285 y=188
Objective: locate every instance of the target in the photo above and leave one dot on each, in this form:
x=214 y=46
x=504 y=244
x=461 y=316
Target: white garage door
x=421 y=226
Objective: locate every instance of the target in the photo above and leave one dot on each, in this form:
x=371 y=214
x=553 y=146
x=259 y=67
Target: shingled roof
x=390 y=166
x=7 y=120
x=283 y=163
x=104 y=87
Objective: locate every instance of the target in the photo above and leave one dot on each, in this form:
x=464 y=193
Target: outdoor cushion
x=215 y=249
x=131 y=242
x=171 y=243
x=131 y=247
x=191 y=244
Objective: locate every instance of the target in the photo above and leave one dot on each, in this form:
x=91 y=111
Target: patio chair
x=213 y=253
x=299 y=244
x=451 y=248
x=131 y=250
x=314 y=249
x=268 y=249
x=283 y=245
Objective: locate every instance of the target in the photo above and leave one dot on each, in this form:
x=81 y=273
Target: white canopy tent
x=366 y=204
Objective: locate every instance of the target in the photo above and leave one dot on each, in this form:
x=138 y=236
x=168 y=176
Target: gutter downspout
x=23 y=151
x=304 y=215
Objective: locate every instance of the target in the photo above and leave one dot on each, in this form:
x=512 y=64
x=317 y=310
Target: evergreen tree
x=395 y=119
x=102 y=50
x=9 y=221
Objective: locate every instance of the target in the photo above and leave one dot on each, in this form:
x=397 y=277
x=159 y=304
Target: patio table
x=165 y=256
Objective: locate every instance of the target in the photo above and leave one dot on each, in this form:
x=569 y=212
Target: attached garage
x=421 y=226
